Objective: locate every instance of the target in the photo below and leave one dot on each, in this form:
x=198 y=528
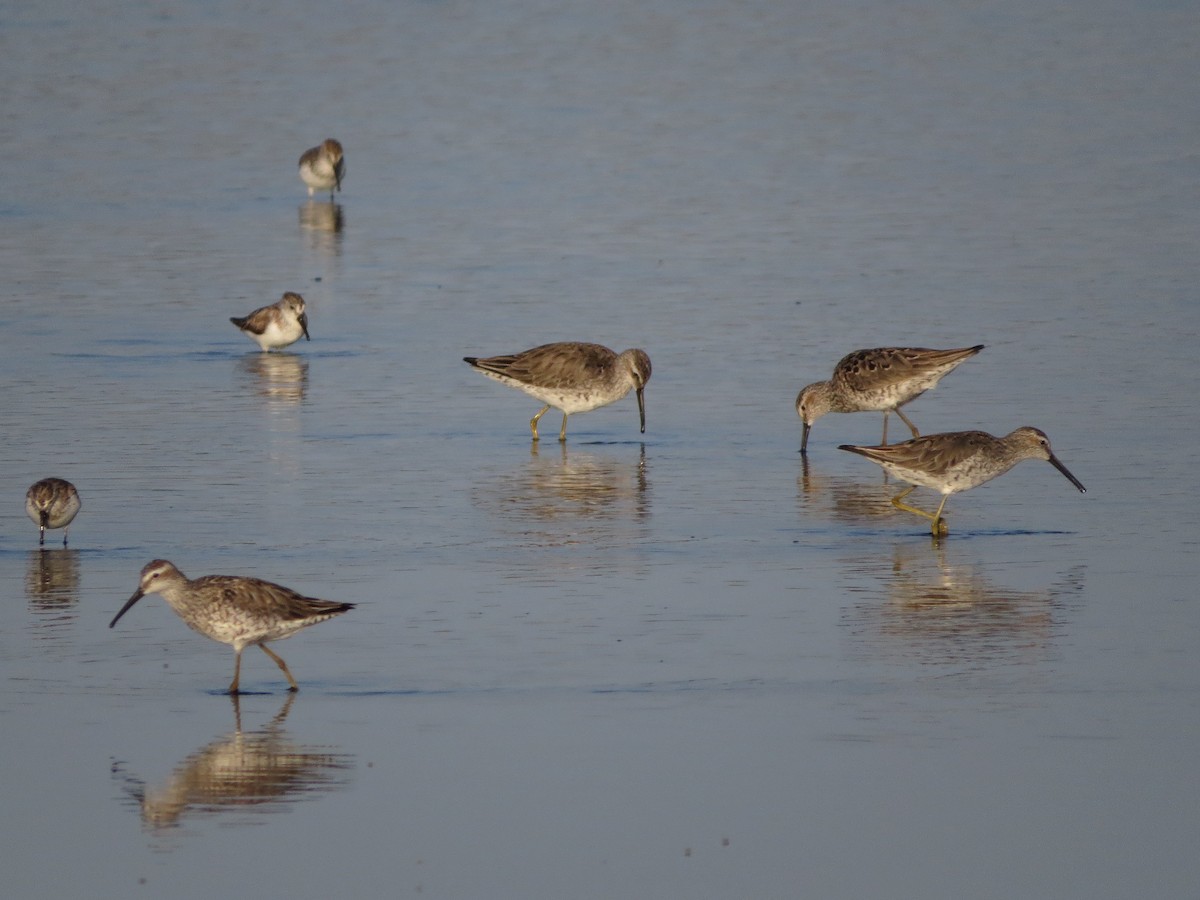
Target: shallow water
x=680 y=664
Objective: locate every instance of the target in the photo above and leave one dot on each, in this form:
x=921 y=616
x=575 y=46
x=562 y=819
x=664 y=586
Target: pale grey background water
x=678 y=665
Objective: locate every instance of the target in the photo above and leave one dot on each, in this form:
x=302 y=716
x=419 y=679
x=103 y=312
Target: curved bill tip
x=642 y=409
x=124 y=609
x=303 y=320
x=1075 y=481
x=804 y=438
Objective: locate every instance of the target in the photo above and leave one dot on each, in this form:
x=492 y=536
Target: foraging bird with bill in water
x=958 y=461
x=878 y=380
x=571 y=376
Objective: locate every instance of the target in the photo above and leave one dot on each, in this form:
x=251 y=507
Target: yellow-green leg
x=898 y=502
x=911 y=426
x=938 y=524
x=237 y=672
x=533 y=422
x=562 y=434
x=282 y=666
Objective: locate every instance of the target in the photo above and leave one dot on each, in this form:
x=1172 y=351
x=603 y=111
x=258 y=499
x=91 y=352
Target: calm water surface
x=679 y=664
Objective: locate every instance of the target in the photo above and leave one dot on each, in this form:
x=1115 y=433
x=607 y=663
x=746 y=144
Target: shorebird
x=570 y=376
x=234 y=610
x=52 y=503
x=323 y=167
x=279 y=325
x=958 y=461
x=882 y=379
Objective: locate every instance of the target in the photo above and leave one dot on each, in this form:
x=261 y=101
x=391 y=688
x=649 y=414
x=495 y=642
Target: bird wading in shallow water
x=52 y=503
x=234 y=610
x=958 y=461
x=323 y=168
x=878 y=380
x=572 y=377
x=279 y=325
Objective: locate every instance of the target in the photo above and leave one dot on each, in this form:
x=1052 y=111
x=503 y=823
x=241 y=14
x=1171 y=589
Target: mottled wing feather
x=864 y=370
x=930 y=453
x=275 y=600
x=562 y=365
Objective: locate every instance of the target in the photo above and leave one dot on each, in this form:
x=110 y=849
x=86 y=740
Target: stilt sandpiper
x=958 y=461
x=572 y=377
x=882 y=379
x=234 y=610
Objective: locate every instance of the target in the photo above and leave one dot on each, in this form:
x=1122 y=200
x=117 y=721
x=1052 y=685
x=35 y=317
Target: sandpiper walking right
x=958 y=461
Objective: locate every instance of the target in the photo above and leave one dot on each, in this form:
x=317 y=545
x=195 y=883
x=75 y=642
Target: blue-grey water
x=675 y=665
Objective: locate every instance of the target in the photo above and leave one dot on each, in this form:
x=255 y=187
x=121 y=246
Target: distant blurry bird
x=323 y=167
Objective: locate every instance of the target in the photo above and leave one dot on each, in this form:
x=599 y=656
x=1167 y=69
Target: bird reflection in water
x=840 y=498
x=280 y=378
x=323 y=223
x=261 y=770
x=52 y=588
x=563 y=497
x=572 y=484
x=52 y=576
x=954 y=613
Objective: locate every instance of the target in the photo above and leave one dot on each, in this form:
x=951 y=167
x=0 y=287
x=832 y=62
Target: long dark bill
x=303 y=320
x=804 y=439
x=1075 y=481
x=642 y=408
x=124 y=609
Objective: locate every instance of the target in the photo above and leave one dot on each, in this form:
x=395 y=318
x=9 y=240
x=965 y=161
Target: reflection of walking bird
x=52 y=503
x=953 y=613
x=958 y=461
x=577 y=486
x=260 y=769
x=234 y=610
x=840 y=498
x=594 y=505
x=878 y=380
